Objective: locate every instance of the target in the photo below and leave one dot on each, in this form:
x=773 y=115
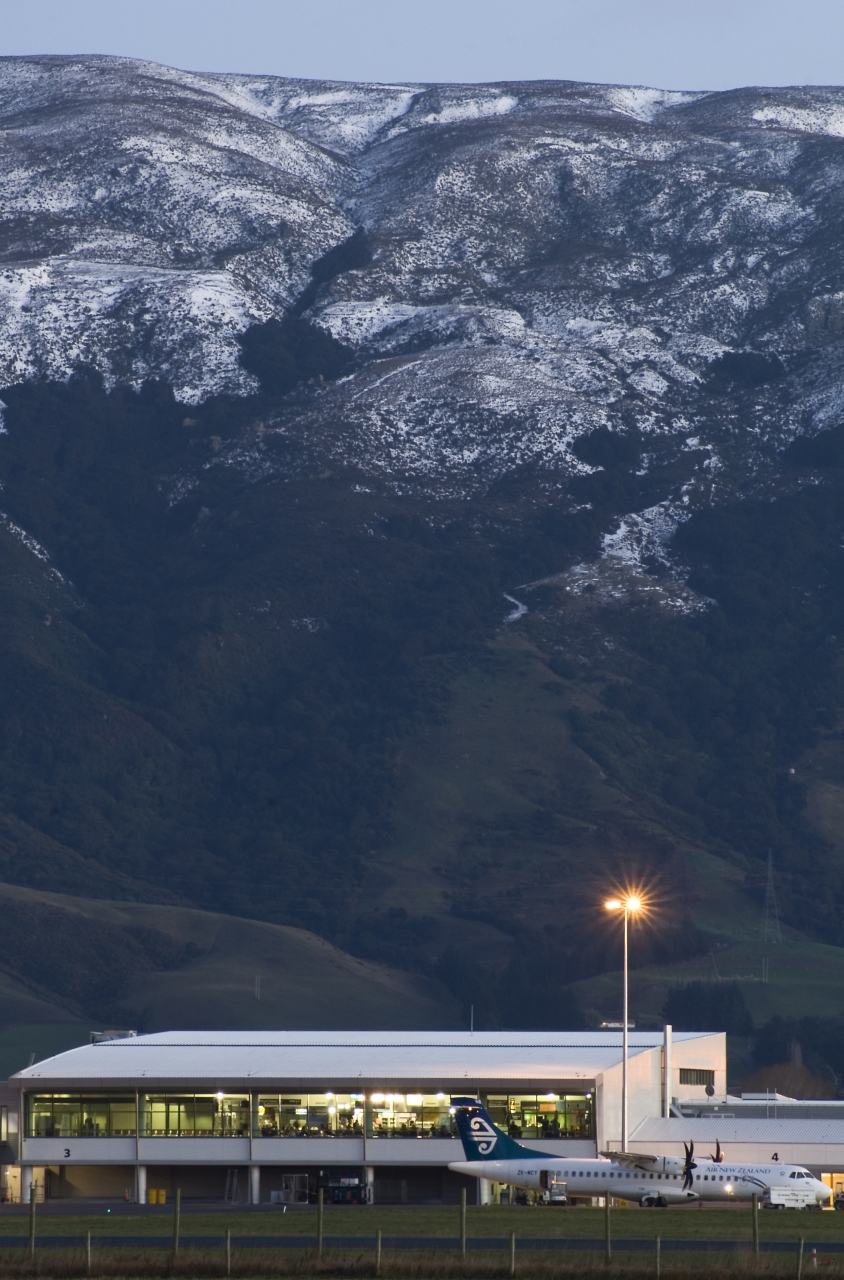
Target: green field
x=202 y=1250
x=489 y=1221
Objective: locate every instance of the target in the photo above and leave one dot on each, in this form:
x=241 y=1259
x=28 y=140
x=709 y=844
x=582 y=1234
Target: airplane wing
x=632 y=1159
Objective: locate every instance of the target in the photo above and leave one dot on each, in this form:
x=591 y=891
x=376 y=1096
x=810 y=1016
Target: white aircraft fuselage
x=661 y=1182
x=652 y=1180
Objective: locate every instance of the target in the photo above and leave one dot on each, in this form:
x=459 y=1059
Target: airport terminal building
x=267 y=1117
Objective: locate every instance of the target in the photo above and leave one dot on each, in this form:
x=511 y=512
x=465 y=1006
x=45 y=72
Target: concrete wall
x=644 y=1084
x=644 y=1096
x=72 y=1182
x=98 y=1151
x=710 y=1052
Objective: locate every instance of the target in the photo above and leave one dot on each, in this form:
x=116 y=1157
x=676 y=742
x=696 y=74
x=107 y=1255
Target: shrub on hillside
x=789 y=1079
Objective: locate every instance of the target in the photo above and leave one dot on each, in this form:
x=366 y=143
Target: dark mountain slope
x=300 y=380
x=249 y=657
x=220 y=707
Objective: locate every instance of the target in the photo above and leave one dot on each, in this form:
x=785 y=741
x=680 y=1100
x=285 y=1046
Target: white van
x=790 y=1197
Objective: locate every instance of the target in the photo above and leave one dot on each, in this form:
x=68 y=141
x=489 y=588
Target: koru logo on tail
x=483 y=1134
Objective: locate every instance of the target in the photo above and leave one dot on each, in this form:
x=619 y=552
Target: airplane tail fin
x=481 y=1137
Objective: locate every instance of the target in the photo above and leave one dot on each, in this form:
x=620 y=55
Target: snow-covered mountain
x=546 y=259
x=574 y=316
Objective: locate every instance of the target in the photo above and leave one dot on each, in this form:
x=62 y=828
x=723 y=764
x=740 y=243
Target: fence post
x=378 y=1252
x=658 y=1258
x=800 y=1258
x=88 y=1252
x=607 y=1237
x=177 y=1220
x=512 y=1253
x=463 y=1223
x=32 y=1220
x=319 y=1221
x=228 y=1251
x=756 y=1224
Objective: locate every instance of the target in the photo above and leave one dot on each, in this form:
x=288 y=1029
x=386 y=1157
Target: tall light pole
x=627 y=906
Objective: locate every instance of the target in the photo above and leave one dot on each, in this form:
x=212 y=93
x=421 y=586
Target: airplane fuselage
x=661 y=1183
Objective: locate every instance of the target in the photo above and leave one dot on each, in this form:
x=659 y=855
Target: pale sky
x=673 y=44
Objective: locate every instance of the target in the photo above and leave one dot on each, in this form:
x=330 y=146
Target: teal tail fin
x=481 y=1137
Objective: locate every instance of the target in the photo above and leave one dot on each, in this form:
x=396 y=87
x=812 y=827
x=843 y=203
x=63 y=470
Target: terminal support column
x=484 y=1191
x=26 y=1183
x=666 y=1070
x=369 y=1176
x=141 y=1188
x=255 y=1184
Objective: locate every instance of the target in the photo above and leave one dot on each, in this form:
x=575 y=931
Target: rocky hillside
x=301 y=379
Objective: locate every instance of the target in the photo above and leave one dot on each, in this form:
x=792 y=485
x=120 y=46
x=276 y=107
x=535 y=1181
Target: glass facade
x=310 y=1115
x=337 y=1115
x=297 y=1114
x=544 y=1115
x=189 y=1115
x=69 y=1115
x=411 y=1115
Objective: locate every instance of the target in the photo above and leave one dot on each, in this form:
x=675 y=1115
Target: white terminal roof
x=736 y=1129
x=455 y=1059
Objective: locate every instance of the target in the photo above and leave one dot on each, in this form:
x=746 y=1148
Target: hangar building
x=266 y=1116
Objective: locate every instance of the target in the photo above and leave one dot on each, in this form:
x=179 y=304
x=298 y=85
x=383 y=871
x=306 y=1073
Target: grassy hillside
x=80 y=962
x=506 y=828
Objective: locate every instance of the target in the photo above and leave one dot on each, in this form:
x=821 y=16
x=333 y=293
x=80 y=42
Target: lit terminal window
x=548 y=1115
x=214 y=1115
x=69 y=1115
x=296 y=1113
x=377 y=1114
x=410 y=1115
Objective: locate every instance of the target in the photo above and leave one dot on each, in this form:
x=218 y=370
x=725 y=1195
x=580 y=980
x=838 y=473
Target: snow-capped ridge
x=544 y=261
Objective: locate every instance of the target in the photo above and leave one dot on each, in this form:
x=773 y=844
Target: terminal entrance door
x=835 y=1182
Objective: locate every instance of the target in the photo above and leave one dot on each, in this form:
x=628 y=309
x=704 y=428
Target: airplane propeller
x=688 y=1179
x=719 y=1154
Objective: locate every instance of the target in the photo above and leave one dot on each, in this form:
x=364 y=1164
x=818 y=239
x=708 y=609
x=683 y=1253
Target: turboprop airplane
x=655 y=1181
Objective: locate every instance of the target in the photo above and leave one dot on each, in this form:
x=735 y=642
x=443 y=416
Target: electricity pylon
x=770 y=928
